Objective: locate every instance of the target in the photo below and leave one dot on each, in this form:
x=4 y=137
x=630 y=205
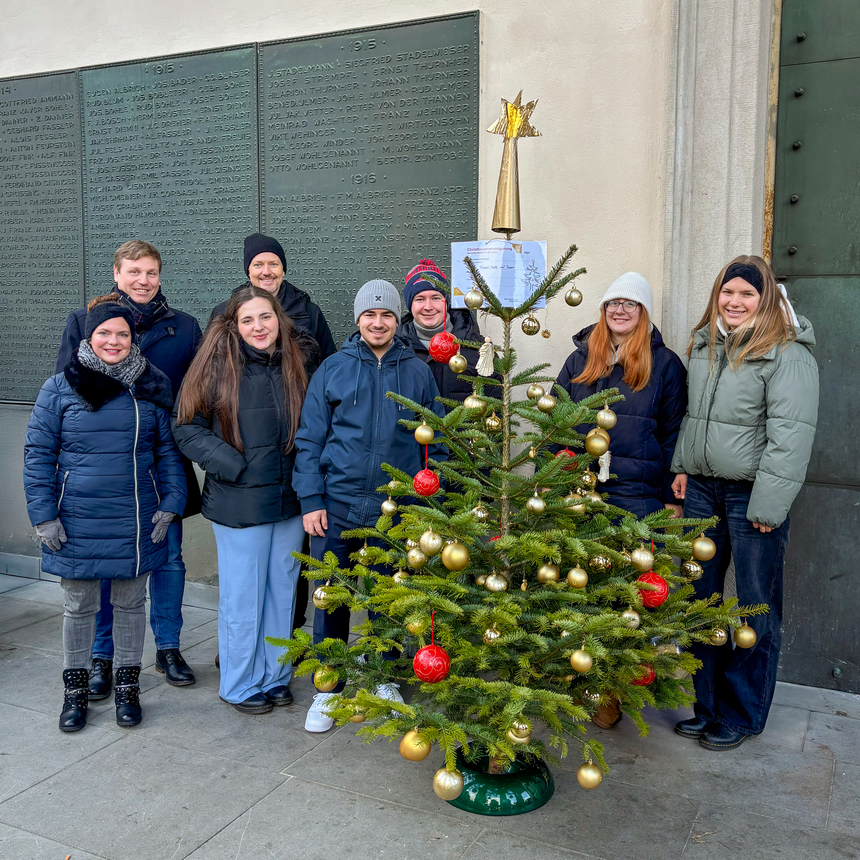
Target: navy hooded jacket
x=349 y=428
x=102 y=459
x=643 y=440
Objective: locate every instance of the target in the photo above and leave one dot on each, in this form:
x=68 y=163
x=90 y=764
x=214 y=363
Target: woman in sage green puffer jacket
x=742 y=454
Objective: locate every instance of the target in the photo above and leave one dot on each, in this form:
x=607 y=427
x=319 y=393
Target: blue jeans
x=735 y=686
x=166 y=587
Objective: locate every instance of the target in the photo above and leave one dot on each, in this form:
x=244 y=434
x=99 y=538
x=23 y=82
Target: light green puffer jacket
x=756 y=423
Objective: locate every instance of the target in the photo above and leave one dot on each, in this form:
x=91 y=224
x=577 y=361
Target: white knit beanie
x=631 y=285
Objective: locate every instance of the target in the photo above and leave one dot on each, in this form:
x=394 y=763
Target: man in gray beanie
x=348 y=430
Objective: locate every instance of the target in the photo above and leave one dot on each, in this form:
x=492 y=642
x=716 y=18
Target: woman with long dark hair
x=742 y=454
x=237 y=417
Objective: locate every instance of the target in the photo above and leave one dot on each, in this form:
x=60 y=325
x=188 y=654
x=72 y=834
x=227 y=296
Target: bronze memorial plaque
x=368 y=154
x=41 y=265
x=170 y=156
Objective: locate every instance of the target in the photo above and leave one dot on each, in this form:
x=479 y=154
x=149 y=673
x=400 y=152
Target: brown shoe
x=608 y=713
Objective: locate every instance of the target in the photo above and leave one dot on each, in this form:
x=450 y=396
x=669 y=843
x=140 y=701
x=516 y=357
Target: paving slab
x=317 y=822
x=816 y=699
x=492 y=845
x=188 y=638
x=198 y=594
x=148 y=800
x=41 y=591
x=10 y=583
x=785 y=730
x=721 y=833
x=33 y=748
x=17 y=614
x=201 y=658
x=17 y=844
x=845 y=803
x=837 y=737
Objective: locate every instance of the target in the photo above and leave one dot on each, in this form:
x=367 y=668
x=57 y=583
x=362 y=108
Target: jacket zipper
x=280 y=436
x=136 y=493
x=62 y=490
x=710 y=407
x=154 y=486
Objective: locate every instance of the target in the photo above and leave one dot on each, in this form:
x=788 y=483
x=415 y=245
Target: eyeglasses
x=628 y=306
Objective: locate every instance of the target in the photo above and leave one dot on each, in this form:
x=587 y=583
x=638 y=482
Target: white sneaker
x=390 y=692
x=317 y=719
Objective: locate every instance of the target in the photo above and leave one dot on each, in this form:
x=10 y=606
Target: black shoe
x=127 y=696
x=279 y=696
x=75 y=699
x=692 y=728
x=256 y=704
x=101 y=679
x=172 y=665
x=720 y=737
x=217 y=661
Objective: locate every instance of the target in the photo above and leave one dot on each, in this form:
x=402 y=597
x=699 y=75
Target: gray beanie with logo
x=377 y=295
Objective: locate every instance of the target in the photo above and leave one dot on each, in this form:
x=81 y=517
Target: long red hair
x=634 y=355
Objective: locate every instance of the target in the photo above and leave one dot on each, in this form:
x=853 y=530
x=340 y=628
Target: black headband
x=104 y=312
x=749 y=273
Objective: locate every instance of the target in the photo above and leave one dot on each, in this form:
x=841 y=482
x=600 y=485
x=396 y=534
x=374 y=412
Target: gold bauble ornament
x=481 y=514
x=389 y=507
x=594 y=498
x=745 y=636
x=416 y=559
x=400 y=576
x=546 y=403
x=597 y=446
x=631 y=618
x=320 y=597
x=577 y=577
x=590 y=697
x=532 y=452
x=588 y=480
x=704 y=549
x=719 y=637
x=431 y=543
x=491 y=635
x=493 y=423
x=520 y=732
x=597 y=431
x=358 y=715
x=496 y=582
x=473 y=300
x=481 y=580
x=448 y=784
x=692 y=570
x=589 y=775
x=530 y=326
x=669 y=648
x=600 y=563
x=642 y=559
x=455 y=556
x=424 y=434
x=576 y=502
x=411 y=544
x=606 y=419
x=457 y=363
x=535 y=391
x=581 y=661
x=473 y=402
x=536 y=505
x=416 y=628
x=414 y=746
x=546 y=333
x=393 y=485
x=325 y=679
x=547 y=573
x=573 y=297
x=363 y=553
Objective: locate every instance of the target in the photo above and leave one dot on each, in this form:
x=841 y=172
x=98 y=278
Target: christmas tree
x=527 y=598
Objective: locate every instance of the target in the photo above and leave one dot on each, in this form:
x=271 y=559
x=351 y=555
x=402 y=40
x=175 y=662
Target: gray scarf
x=425 y=334
x=126 y=371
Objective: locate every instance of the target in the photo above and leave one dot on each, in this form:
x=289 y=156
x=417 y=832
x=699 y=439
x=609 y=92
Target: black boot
x=171 y=663
x=127 y=696
x=101 y=679
x=75 y=700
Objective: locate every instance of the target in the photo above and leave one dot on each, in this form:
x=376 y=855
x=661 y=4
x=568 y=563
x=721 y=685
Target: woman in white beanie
x=624 y=350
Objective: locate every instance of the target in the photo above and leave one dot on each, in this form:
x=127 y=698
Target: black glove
x=162 y=520
x=52 y=534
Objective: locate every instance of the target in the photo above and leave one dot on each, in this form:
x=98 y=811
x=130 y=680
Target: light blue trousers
x=257 y=578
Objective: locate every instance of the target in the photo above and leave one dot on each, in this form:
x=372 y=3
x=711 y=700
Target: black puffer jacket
x=464 y=327
x=253 y=488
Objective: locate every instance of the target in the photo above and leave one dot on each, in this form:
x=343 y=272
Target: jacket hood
x=805 y=337
x=95 y=389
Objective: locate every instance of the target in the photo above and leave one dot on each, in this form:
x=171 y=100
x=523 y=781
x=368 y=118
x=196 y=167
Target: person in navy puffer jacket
x=103 y=480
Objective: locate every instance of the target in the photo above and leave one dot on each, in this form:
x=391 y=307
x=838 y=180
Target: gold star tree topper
x=513 y=124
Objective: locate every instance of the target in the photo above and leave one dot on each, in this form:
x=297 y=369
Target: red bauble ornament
x=495 y=537
x=568 y=454
x=431 y=663
x=653 y=599
x=443 y=347
x=426 y=483
x=647 y=678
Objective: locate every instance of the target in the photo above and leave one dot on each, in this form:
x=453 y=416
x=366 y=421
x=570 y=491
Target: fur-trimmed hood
x=94 y=389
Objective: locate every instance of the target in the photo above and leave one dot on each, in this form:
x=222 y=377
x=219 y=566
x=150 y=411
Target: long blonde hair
x=770 y=326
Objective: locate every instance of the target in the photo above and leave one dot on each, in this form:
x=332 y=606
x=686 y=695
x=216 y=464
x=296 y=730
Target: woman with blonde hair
x=742 y=454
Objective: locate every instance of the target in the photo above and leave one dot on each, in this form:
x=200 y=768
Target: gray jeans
x=81 y=605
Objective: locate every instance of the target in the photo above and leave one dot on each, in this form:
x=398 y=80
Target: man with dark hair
x=168 y=338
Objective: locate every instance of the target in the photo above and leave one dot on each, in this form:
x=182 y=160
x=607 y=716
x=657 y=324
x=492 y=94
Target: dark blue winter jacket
x=103 y=459
x=349 y=428
x=643 y=440
x=169 y=345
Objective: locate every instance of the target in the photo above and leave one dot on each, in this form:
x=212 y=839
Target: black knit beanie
x=257 y=243
x=107 y=311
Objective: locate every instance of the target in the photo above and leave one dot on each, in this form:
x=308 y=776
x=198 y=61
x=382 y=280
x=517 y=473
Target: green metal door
x=816 y=253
